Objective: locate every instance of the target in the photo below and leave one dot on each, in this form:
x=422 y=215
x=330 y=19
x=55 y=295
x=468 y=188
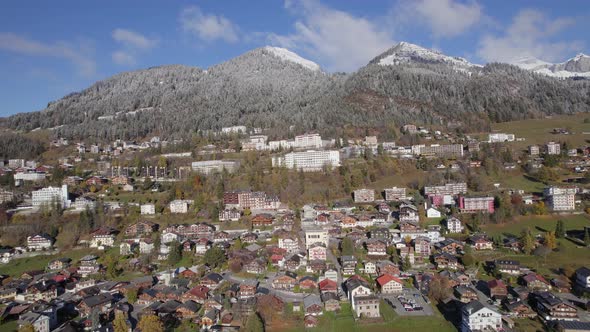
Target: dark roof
x=583 y=272
x=216 y=277
x=95 y=300
x=573 y=325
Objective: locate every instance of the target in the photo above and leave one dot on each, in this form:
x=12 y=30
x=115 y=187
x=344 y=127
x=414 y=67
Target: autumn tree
x=214 y=257
x=549 y=240
x=27 y=328
x=586 y=237
x=528 y=243
x=254 y=323
x=175 y=254
x=150 y=323
x=347 y=247
x=120 y=323
x=132 y=295
x=439 y=288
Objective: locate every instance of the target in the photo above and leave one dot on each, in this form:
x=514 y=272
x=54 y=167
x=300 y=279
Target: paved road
x=266 y=283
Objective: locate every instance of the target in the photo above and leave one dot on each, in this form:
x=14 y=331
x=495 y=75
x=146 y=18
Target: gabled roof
x=386 y=278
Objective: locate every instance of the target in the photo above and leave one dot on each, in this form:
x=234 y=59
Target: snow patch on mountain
x=578 y=66
x=286 y=55
x=406 y=52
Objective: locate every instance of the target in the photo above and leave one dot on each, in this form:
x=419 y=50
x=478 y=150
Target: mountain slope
x=275 y=89
x=578 y=66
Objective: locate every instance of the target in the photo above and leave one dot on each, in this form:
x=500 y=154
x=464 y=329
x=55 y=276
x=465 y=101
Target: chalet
x=328 y=286
x=249 y=238
x=535 y=282
x=96 y=181
x=308 y=282
x=293 y=263
x=389 y=284
x=285 y=282
x=102 y=238
x=141 y=228
x=188 y=245
x=519 y=309
x=422 y=247
x=211 y=280
x=198 y=294
x=312 y=305
x=316 y=267
x=446 y=261
x=356 y=286
x=331 y=301
x=409 y=227
x=465 y=294
x=376 y=247
x=39 y=321
x=247 y=289
x=146 y=246
x=101 y=303
x=408 y=213
x=497 y=289
x=348 y=264
x=257 y=266
x=507 y=266
x=126 y=247
x=481 y=242
x=188 y=310
x=408 y=253
x=59 y=264
x=317 y=252
x=387 y=267
x=262 y=220
x=221 y=236
x=310 y=321
x=229 y=215
x=370 y=268
x=289 y=243
x=88 y=265
x=202 y=245
x=380 y=233
x=552 y=308
x=348 y=222
x=450 y=246
x=210 y=318
x=39 y=242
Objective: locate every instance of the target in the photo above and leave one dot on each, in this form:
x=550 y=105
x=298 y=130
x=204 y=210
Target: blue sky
x=51 y=48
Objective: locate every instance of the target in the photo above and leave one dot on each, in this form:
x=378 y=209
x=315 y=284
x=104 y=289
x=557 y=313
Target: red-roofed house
x=389 y=284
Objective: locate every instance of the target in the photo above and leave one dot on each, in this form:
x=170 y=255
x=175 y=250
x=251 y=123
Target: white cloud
x=133 y=39
x=208 y=27
x=339 y=40
x=445 y=18
x=529 y=35
x=76 y=54
x=123 y=58
x=132 y=44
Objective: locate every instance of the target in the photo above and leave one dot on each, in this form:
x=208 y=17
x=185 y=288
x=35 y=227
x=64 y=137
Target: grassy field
x=539 y=131
x=9 y=326
x=19 y=266
x=344 y=322
x=568 y=253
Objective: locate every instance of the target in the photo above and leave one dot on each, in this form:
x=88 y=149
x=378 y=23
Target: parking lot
x=409 y=303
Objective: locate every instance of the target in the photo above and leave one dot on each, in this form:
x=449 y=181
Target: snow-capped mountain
x=405 y=52
x=578 y=66
x=286 y=55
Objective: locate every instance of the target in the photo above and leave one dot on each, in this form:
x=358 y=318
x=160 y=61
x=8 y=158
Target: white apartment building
x=560 y=199
x=281 y=144
x=308 y=141
x=29 y=176
x=553 y=148
x=313 y=236
x=451 y=189
x=6 y=196
x=476 y=317
x=454 y=225
x=500 y=138
x=308 y=161
x=233 y=129
x=211 y=166
x=364 y=195
x=16 y=163
x=148 y=209
x=179 y=206
x=83 y=203
x=395 y=194
x=49 y=195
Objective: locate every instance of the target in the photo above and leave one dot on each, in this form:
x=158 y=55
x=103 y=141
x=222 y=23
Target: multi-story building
x=500 y=138
x=313 y=236
x=308 y=141
x=50 y=195
x=395 y=194
x=553 y=308
x=560 y=199
x=364 y=195
x=476 y=204
x=39 y=242
x=477 y=317
x=40 y=322
x=367 y=306
x=233 y=130
x=179 y=206
x=437 y=150
x=308 y=161
x=148 y=209
x=83 y=204
x=553 y=148
x=6 y=196
x=454 y=225
x=534 y=150
x=211 y=166
x=229 y=215
x=29 y=176
x=250 y=200
x=451 y=189
x=88 y=265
